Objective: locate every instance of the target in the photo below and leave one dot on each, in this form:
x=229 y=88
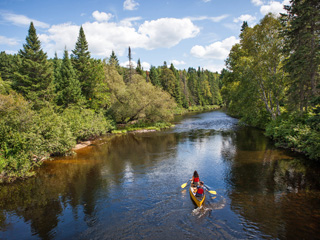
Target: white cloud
x=214 y=67
x=177 y=62
x=8 y=41
x=130 y=5
x=213 y=19
x=248 y=18
x=102 y=16
x=59 y=37
x=274 y=7
x=146 y=66
x=103 y=37
x=21 y=20
x=206 y=1
x=217 y=50
x=257 y=2
x=167 y=32
x=128 y=21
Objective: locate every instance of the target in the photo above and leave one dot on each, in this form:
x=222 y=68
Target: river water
x=128 y=187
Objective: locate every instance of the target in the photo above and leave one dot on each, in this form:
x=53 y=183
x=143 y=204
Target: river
x=128 y=187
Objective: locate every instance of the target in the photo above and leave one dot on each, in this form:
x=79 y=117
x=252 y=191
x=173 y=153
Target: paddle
x=185 y=184
x=210 y=191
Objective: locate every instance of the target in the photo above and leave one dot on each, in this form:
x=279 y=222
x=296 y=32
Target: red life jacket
x=196 y=179
x=200 y=190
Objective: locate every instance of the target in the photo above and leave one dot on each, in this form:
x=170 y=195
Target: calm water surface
x=128 y=187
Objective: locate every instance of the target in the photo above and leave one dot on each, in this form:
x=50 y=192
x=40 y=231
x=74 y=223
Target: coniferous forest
x=271 y=81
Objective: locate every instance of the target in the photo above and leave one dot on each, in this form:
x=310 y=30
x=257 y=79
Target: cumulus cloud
x=248 y=18
x=213 y=19
x=60 y=36
x=146 y=66
x=102 y=16
x=257 y=2
x=105 y=36
x=217 y=50
x=21 y=20
x=214 y=67
x=177 y=62
x=130 y=5
x=128 y=21
x=167 y=32
x=8 y=41
x=274 y=7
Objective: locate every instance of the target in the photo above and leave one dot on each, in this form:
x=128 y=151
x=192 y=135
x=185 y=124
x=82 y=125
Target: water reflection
x=128 y=187
x=273 y=191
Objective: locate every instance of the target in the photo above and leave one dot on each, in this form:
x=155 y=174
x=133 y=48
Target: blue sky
x=187 y=33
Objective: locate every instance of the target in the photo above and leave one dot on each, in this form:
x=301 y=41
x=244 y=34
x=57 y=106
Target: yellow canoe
x=199 y=201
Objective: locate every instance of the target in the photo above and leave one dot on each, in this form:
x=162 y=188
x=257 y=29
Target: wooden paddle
x=185 y=184
x=210 y=191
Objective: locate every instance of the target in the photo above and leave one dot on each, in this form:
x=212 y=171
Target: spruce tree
x=70 y=88
x=154 y=76
x=301 y=32
x=34 y=78
x=113 y=60
x=139 y=69
x=81 y=62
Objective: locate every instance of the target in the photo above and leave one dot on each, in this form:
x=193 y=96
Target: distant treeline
x=48 y=105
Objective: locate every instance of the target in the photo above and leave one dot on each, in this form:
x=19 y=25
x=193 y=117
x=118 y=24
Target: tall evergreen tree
x=301 y=32
x=34 y=78
x=70 y=88
x=130 y=66
x=113 y=60
x=57 y=72
x=80 y=58
x=154 y=76
x=139 y=69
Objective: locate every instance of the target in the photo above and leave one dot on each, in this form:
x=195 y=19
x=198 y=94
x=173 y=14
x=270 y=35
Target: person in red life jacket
x=200 y=190
x=195 y=181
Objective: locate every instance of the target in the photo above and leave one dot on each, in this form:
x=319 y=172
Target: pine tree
x=70 y=88
x=154 y=76
x=130 y=65
x=35 y=76
x=113 y=60
x=57 y=72
x=301 y=32
x=139 y=69
x=81 y=62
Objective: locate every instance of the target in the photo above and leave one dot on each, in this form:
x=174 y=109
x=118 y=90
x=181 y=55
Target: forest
x=272 y=77
x=271 y=81
x=49 y=105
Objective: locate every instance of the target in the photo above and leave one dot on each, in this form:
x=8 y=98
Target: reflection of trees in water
x=271 y=190
x=77 y=181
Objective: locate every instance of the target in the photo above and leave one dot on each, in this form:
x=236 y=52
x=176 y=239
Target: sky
x=187 y=33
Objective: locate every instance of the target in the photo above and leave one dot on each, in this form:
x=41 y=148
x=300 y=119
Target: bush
x=299 y=132
x=85 y=123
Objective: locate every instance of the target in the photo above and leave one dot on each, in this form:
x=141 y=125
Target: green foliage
x=254 y=88
x=138 y=100
x=298 y=131
x=69 y=88
x=27 y=136
x=34 y=79
x=300 y=28
x=85 y=123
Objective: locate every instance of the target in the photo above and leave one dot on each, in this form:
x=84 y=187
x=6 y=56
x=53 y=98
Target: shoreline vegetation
x=47 y=106
x=271 y=81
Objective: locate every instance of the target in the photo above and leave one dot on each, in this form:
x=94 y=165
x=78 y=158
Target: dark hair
x=195 y=174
